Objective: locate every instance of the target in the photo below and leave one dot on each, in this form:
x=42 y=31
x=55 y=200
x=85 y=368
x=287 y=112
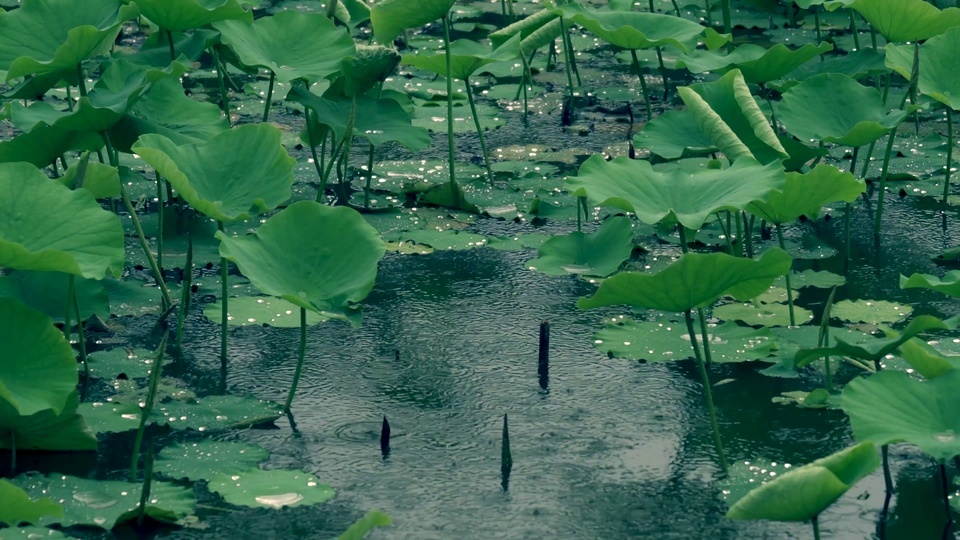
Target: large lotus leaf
x=372 y=64
x=182 y=15
x=804 y=492
x=466 y=57
x=390 y=18
x=727 y=112
x=43 y=144
x=277 y=43
x=805 y=194
x=46 y=430
x=100 y=179
x=18 y=508
x=674 y=134
x=205 y=459
x=939 y=77
x=696 y=280
x=55 y=36
x=927 y=360
x=78 y=238
x=166 y=110
x=363 y=526
x=906 y=20
x=317 y=257
x=635 y=29
x=46 y=292
x=233 y=176
x=857 y=64
x=758 y=64
x=524 y=27
x=891 y=406
x=104 y=503
x=899 y=58
x=275 y=488
x=595 y=254
x=377 y=120
x=688 y=197
x=835 y=108
x=668 y=341
x=949 y=284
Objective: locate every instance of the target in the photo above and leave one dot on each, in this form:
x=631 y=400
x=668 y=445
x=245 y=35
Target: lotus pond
x=478 y=269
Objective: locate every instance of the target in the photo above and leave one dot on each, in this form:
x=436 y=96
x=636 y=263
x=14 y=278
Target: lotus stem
x=726 y=233
x=266 y=106
x=823 y=339
x=579 y=221
x=147 y=408
x=81 y=334
x=707 y=357
x=313 y=149
x=739 y=245
x=853 y=30
x=708 y=9
x=366 y=191
x=793 y=321
x=663 y=74
x=887 y=477
x=725 y=9
x=676 y=7
x=816 y=527
x=707 y=393
x=947 y=529
x=567 y=56
x=946 y=179
x=221 y=79
x=300 y=355
x=506 y=457
x=331 y=9
x=81 y=85
x=476 y=122
x=185 y=292
x=748 y=232
x=573 y=57
x=883 y=181
x=147 y=484
x=643 y=84
x=451 y=152
x=846 y=215
x=873 y=37
x=224 y=328
x=159 y=222
x=816 y=25
x=67 y=324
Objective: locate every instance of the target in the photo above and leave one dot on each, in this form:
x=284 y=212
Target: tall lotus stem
x=476 y=122
x=451 y=153
x=147 y=407
x=173 y=52
x=185 y=292
x=567 y=64
x=883 y=182
x=725 y=9
x=853 y=30
x=793 y=321
x=159 y=222
x=643 y=84
x=67 y=324
x=846 y=215
x=301 y=354
x=266 y=106
x=332 y=9
x=946 y=179
x=81 y=335
x=224 y=270
x=366 y=191
x=815 y=522
x=221 y=79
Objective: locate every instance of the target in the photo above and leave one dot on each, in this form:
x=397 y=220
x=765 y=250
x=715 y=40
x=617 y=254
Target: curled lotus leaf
x=183 y=15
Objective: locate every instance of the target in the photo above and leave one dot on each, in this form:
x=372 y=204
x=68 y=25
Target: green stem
x=946 y=179
x=451 y=152
x=725 y=9
x=476 y=122
x=567 y=55
x=224 y=328
x=853 y=30
x=643 y=84
x=793 y=321
x=688 y=318
x=738 y=247
x=82 y=85
x=221 y=79
x=708 y=9
x=147 y=484
x=81 y=334
x=301 y=353
x=332 y=9
x=823 y=339
x=748 y=232
x=313 y=149
x=816 y=527
x=173 y=53
x=147 y=407
x=816 y=24
x=67 y=323
x=366 y=191
x=726 y=233
x=159 y=222
x=708 y=395
x=266 y=106
x=185 y=292
x=846 y=216
x=883 y=181
x=707 y=357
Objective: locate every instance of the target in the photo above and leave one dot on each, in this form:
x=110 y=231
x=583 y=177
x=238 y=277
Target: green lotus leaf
x=696 y=280
x=111 y=364
x=182 y=15
x=835 y=108
x=524 y=27
x=314 y=256
x=32 y=533
x=262 y=311
x=466 y=57
x=46 y=430
x=927 y=360
x=79 y=238
x=635 y=29
x=674 y=134
x=939 y=77
x=857 y=64
x=100 y=179
x=205 y=459
x=235 y=175
x=891 y=406
x=804 y=492
x=949 y=284
x=377 y=120
x=104 y=503
x=805 y=194
x=46 y=292
x=55 y=36
x=372 y=64
x=189 y=46
x=899 y=58
x=362 y=527
x=726 y=111
x=757 y=64
x=19 y=508
x=43 y=144
x=275 y=488
x=440 y=240
x=761 y=314
x=595 y=254
x=541 y=37
x=870 y=311
x=277 y=44
x=687 y=197
x=205 y=414
x=906 y=20
x=812 y=278
x=390 y=18
x=745 y=475
x=668 y=341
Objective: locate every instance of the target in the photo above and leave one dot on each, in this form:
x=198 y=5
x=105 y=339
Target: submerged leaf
x=668 y=341
x=275 y=488
x=205 y=459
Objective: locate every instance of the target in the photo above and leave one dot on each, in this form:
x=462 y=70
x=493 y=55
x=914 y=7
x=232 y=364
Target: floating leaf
x=205 y=459
x=805 y=194
x=596 y=254
x=870 y=311
x=18 y=508
x=441 y=240
x=130 y=363
x=812 y=278
x=205 y=414
x=687 y=197
x=46 y=430
x=891 y=406
x=757 y=64
x=774 y=314
x=31 y=533
x=275 y=488
x=182 y=15
x=668 y=341
x=261 y=311
x=927 y=360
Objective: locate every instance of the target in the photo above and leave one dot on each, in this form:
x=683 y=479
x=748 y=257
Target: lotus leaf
x=317 y=257
x=674 y=134
x=390 y=18
x=745 y=475
x=870 y=311
x=101 y=180
x=927 y=360
x=366 y=524
x=275 y=488
x=813 y=278
x=182 y=15
x=32 y=237
x=43 y=144
x=634 y=29
x=261 y=311
x=757 y=64
x=805 y=194
x=46 y=292
x=19 y=508
x=466 y=57
x=726 y=111
x=835 y=108
x=104 y=503
x=524 y=27
x=441 y=240
x=31 y=533
x=939 y=77
x=689 y=198
x=805 y=492
x=372 y=64
x=891 y=406
x=46 y=430
x=668 y=341
x=206 y=459
x=235 y=175
x=204 y=414
x=949 y=284
x=906 y=20
x=111 y=364
x=682 y=285
x=595 y=254
x=277 y=44
x=856 y=64
x=761 y=314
